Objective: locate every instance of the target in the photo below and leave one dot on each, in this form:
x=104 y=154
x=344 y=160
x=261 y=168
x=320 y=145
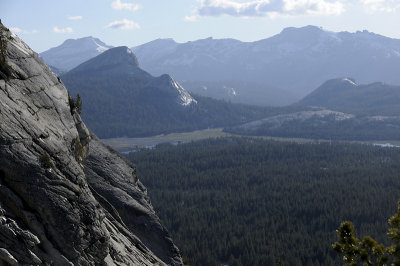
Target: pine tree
x=368 y=251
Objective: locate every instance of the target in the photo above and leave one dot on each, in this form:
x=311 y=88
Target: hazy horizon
x=131 y=23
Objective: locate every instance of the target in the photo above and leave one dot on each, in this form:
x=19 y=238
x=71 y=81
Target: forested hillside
x=322 y=124
x=345 y=95
x=120 y=99
x=247 y=201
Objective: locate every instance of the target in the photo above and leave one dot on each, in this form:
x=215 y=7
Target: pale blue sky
x=43 y=24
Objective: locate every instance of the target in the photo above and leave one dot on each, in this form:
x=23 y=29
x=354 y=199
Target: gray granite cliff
x=65 y=198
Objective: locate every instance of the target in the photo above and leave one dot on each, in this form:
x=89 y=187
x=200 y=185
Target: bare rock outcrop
x=63 y=198
x=114 y=180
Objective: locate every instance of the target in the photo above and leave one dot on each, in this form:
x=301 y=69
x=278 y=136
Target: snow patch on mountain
x=100 y=48
x=230 y=91
x=350 y=81
x=185 y=98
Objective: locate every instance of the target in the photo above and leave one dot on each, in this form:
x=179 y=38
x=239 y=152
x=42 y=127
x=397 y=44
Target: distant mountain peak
x=345 y=95
x=88 y=41
x=305 y=29
x=167 y=40
x=120 y=58
x=121 y=54
x=73 y=52
x=343 y=82
x=155 y=47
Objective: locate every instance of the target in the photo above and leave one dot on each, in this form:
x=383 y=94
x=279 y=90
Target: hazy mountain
x=284 y=67
x=340 y=109
x=347 y=96
x=241 y=92
x=73 y=52
x=121 y=99
x=156 y=49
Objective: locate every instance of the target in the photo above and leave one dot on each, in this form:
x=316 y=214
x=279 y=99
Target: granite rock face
x=65 y=199
x=114 y=180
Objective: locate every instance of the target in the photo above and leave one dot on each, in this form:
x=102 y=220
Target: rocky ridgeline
x=65 y=198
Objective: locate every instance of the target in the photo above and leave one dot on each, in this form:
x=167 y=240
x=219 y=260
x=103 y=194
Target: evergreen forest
x=248 y=201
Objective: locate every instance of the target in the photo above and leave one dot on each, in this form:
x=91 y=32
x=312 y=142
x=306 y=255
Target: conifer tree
x=368 y=251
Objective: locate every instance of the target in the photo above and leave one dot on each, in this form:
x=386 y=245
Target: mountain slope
x=323 y=124
x=347 y=96
x=73 y=52
x=340 y=109
x=290 y=63
x=65 y=198
x=121 y=99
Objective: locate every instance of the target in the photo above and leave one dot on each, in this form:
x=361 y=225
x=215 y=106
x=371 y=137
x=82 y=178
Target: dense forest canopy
x=247 y=201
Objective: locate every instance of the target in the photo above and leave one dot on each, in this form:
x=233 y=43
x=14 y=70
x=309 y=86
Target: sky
x=44 y=24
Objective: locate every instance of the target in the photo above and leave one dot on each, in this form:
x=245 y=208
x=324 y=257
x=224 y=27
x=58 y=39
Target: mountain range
x=72 y=52
x=274 y=71
x=277 y=70
x=120 y=99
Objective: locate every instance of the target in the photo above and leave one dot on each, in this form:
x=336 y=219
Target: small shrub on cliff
x=75 y=104
x=78 y=150
x=45 y=160
x=5 y=70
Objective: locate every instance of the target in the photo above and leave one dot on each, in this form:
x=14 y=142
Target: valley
x=243 y=184
x=120 y=99
x=247 y=201
x=130 y=137
x=126 y=145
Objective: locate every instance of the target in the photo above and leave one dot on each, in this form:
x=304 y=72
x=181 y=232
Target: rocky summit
x=65 y=198
x=72 y=52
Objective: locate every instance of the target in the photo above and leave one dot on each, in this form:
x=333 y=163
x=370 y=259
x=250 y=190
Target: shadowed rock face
x=64 y=197
x=114 y=179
